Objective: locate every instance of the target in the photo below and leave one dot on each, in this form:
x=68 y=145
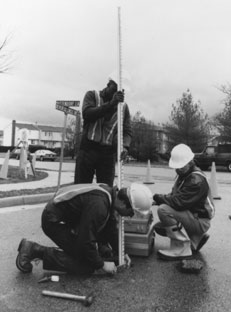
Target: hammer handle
x=63 y=295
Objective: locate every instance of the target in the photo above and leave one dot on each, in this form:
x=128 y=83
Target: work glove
x=118 y=97
x=109 y=267
x=124 y=154
x=158 y=199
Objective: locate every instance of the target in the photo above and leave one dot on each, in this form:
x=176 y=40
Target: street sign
x=69 y=103
x=66 y=109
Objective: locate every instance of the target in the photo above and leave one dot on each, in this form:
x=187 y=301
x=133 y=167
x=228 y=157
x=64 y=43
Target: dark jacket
x=189 y=193
x=101 y=116
x=92 y=216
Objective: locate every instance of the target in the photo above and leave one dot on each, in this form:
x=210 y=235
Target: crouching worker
x=77 y=219
x=185 y=213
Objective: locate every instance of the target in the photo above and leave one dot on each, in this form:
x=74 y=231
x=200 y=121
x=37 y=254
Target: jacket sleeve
x=110 y=234
x=90 y=111
x=193 y=192
x=127 y=128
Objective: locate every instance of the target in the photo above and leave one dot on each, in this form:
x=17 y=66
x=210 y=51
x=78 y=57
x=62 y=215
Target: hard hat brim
x=179 y=165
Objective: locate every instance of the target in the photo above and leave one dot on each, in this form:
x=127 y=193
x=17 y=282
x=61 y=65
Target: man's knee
x=163 y=210
x=166 y=215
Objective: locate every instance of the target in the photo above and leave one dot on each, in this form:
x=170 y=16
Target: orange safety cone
x=5 y=165
x=213 y=182
x=148 y=179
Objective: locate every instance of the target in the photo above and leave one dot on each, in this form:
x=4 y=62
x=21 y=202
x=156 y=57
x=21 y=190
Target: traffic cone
x=148 y=175
x=213 y=182
x=5 y=165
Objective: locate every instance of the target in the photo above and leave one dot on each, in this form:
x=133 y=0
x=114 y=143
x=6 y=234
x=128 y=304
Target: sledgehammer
x=86 y=300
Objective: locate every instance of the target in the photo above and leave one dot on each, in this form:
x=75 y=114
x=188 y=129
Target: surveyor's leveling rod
x=120 y=141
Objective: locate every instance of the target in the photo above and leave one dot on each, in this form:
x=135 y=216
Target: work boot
x=202 y=242
x=180 y=244
x=28 y=251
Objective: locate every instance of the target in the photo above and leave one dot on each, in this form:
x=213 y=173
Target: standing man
x=77 y=219
x=185 y=213
x=98 y=147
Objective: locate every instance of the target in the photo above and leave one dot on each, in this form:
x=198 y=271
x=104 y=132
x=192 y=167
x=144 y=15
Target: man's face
x=122 y=208
x=182 y=171
x=110 y=89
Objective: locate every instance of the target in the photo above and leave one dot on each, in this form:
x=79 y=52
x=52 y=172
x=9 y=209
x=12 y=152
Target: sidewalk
x=50 y=181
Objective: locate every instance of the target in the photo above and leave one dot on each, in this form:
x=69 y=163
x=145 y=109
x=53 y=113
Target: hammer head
x=88 y=300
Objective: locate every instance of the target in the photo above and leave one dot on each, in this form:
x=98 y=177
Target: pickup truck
x=220 y=154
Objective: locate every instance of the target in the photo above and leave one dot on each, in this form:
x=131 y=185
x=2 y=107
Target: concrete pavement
x=52 y=168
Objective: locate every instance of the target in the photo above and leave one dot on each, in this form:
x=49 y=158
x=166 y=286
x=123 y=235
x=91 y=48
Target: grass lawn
x=17 y=176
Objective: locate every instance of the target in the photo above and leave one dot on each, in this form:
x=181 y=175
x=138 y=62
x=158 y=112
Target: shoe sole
x=168 y=258
x=202 y=242
x=17 y=259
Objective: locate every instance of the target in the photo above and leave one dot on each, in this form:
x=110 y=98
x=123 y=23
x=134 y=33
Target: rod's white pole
x=62 y=148
x=120 y=141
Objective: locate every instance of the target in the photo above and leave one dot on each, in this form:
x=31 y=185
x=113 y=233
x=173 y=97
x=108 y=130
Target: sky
x=63 y=48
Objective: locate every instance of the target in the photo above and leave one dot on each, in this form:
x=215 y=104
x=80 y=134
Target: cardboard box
x=138 y=244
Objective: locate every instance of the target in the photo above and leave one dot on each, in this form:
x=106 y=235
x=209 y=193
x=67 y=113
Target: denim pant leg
x=194 y=226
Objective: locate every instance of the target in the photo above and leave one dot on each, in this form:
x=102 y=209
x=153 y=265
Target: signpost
x=64 y=106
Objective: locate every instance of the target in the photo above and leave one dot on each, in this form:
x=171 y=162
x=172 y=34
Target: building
x=162 y=139
x=34 y=134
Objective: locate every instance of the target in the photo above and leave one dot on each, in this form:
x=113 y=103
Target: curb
x=25 y=200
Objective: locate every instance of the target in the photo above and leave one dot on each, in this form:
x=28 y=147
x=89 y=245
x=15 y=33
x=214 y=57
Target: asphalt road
x=150 y=285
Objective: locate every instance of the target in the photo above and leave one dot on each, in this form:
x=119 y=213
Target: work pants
x=68 y=257
x=194 y=226
x=95 y=162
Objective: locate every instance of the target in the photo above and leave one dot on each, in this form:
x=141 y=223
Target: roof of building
x=39 y=127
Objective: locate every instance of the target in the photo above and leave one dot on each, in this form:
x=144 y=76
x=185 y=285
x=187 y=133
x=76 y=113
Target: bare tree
x=6 y=60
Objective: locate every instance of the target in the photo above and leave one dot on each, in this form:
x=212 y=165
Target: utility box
x=138 y=224
x=137 y=244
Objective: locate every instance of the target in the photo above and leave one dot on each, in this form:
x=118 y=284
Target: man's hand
x=124 y=154
x=109 y=267
x=118 y=97
x=128 y=260
x=158 y=199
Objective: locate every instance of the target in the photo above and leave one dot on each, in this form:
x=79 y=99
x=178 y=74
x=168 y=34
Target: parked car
x=129 y=159
x=45 y=155
x=15 y=153
x=220 y=154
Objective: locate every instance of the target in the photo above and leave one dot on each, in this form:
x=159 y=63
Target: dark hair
x=122 y=195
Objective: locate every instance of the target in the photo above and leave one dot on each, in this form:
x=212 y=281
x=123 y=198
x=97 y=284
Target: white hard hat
x=140 y=197
x=181 y=155
x=125 y=79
